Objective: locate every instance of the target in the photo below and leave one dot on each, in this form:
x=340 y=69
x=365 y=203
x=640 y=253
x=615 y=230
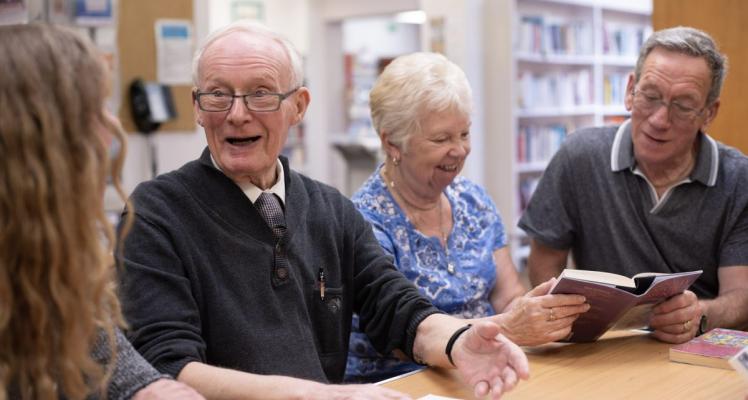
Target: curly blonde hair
x=57 y=291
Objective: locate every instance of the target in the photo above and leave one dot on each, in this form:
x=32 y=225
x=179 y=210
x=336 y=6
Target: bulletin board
x=137 y=56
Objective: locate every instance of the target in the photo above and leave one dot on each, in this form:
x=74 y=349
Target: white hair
x=412 y=86
x=252 y=28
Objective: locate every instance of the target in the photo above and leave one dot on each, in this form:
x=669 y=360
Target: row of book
x=548 y=35
x=624 y=39
x=538 y=143
x=614 y=88
x=555 y=89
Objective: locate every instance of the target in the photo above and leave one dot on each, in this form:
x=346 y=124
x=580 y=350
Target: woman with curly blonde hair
x=59 y=314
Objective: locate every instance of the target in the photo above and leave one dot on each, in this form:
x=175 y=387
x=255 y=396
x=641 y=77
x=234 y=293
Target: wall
x=173 y=149
x=725 y=21
x=463 y=37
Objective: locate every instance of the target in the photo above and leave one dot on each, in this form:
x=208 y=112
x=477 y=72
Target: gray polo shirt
x=592 y=200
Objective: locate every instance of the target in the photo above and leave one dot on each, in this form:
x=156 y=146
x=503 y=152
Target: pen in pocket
x=321 y=283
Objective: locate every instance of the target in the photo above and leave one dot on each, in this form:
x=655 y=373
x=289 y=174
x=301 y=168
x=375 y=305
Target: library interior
x=539 y=71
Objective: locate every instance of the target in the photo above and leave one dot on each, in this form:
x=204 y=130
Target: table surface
x=621 y=365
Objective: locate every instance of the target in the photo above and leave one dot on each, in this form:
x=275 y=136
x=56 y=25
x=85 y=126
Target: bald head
x=258 y=33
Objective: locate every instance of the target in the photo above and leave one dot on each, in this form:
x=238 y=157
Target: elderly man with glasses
x=241 y=275
x=656 y=194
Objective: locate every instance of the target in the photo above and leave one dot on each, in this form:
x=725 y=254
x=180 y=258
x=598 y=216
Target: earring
x=396 y=161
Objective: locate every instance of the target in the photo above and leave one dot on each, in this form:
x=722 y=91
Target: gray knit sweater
x=200 y=281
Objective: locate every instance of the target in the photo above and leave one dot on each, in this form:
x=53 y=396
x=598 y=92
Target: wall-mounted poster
x=247 y=9
x=13 y=12
x=94 y=12
x=174 y=51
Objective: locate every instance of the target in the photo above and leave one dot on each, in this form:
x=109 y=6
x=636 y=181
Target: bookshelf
x=552 y=66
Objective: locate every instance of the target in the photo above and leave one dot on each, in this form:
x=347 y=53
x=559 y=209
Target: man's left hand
x=490 y=363
x=676 y=320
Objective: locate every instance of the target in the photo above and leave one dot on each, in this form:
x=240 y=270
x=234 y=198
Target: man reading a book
x=656 y=194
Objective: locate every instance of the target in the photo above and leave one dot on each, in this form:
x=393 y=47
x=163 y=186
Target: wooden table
x=621 y=365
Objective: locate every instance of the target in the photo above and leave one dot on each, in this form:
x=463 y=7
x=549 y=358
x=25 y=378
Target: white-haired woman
x=443 y=230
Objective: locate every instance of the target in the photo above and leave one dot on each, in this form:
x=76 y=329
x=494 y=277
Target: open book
x=616 y=301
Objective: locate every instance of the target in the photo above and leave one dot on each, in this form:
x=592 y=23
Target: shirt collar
x=707 y=160
x=253 y=192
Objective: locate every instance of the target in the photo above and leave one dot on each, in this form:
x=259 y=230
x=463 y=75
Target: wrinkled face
x=245 y=144
x=434 y=157
x=662 y=137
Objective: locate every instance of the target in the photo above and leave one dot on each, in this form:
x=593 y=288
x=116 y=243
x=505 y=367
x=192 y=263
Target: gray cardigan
x=200 y=283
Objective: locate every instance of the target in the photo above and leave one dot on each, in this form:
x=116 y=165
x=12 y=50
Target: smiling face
x=436 y=155
x=246 y=144
x=661 y=141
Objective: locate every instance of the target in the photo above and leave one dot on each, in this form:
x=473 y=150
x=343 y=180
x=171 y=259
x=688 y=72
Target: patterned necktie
x=269 y=207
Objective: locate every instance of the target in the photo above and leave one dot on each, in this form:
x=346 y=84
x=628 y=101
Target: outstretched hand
x=489 y=362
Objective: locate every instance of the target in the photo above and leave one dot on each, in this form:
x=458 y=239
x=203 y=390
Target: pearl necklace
x=408 y=205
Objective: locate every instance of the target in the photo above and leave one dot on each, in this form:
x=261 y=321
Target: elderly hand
x=489 y=362
x=538 y=317
x=676 y=320
x=166 y=389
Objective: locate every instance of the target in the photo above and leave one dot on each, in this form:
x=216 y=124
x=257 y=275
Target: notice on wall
x=93 y=12
x=174 y=42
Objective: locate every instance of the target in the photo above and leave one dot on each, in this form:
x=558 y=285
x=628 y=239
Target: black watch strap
x=703 y=325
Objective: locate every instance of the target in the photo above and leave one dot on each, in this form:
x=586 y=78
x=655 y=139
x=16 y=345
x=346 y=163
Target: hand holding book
x=676 y=320
x=625 y=302
x=539 y=317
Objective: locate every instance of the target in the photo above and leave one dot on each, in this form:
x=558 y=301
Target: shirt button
x=281 y=273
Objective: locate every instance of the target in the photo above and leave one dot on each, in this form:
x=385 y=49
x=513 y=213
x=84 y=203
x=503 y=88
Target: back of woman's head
x=56 y=290
x=411 y=87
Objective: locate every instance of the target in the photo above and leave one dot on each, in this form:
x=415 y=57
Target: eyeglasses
x=649 y=102
x=262 y=102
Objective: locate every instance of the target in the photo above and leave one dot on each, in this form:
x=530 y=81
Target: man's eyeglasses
x=649 y=102
x=261 y=102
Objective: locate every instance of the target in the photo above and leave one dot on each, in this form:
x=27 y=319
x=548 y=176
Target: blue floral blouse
x=477 y=232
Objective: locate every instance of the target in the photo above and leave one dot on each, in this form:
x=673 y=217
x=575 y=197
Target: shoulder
x=732 y=159
x=372 y=194
x=472 y=195
x=733 y=166
x=586 y=140
x=467 y=189
x=165 y=185
x=321 y=196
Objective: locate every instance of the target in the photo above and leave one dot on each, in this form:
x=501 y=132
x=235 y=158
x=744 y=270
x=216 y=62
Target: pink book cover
x=717 y=343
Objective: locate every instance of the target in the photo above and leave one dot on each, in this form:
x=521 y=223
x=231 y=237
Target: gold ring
x=551 y=317
x=686 y=326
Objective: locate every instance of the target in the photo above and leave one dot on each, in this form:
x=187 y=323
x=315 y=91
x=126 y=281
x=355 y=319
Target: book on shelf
x=712 y=349
x=616 y=301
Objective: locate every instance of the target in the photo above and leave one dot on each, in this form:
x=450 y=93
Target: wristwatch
x=703 y=325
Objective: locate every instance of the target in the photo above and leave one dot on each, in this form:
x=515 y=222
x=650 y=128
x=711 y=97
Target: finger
x=541 y=289
x=559 y=334
x=676 y=317
x=679 y=301
x=560 y=300
x=517 y=358
x=672 y=338
x=497 y=387
x=509 y=377
x=480 y=389
x=568 y=311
